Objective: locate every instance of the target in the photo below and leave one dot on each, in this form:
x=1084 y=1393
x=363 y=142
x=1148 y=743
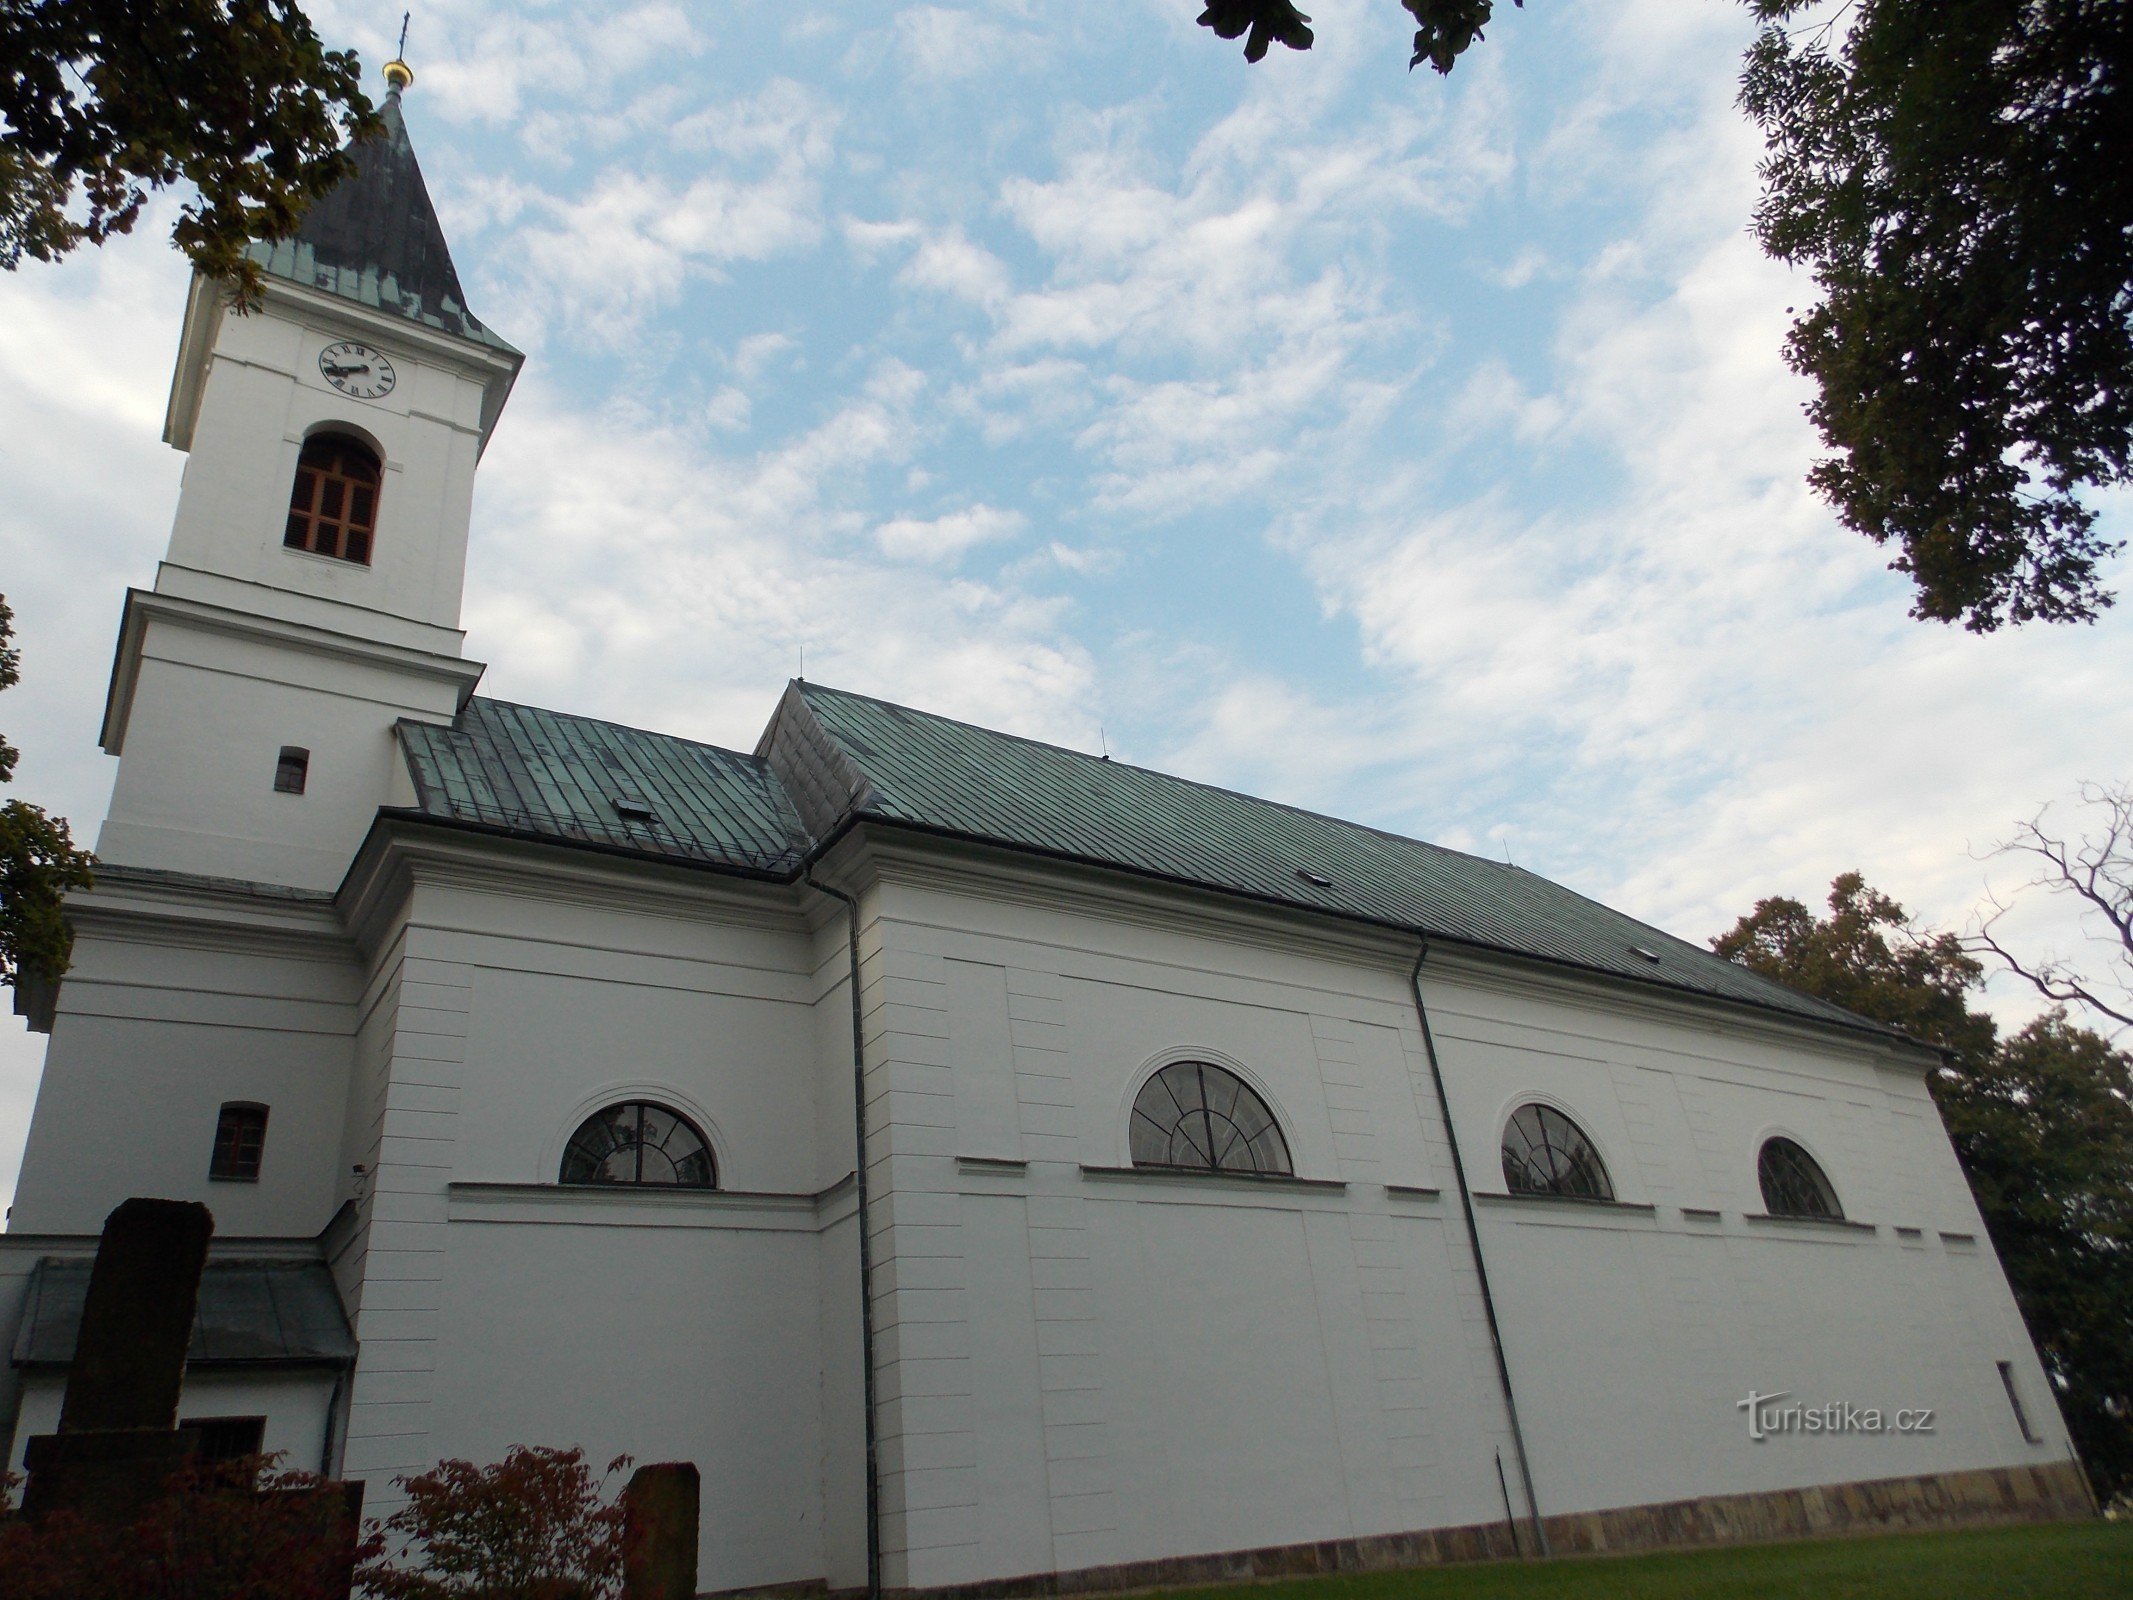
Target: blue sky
x=1418 y=450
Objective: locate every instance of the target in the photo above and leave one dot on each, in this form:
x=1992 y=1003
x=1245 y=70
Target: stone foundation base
x=2052 y=1493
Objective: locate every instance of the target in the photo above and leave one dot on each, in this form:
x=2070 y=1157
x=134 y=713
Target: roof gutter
x=1859 y=1025
x=1481 y=1266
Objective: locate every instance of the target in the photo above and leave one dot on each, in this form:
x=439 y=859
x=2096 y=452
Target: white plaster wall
x=680 y=1340
x=263 y=396
x=153 y=1035
x=1082 y=1368
x=294 y=1404
x=1633 y=1336
x=210 y=714
x=503 y=1009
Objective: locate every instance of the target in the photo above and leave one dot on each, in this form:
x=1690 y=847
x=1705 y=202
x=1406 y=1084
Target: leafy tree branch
x=1954 y=175
x=103 y=102
x=39 y=863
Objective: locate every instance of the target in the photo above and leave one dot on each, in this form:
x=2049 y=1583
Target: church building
x=999 y=1169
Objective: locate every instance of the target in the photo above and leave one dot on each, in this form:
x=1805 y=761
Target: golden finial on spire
x=398 y=73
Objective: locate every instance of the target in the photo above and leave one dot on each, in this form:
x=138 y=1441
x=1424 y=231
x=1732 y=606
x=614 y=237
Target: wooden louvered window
x=333 y=507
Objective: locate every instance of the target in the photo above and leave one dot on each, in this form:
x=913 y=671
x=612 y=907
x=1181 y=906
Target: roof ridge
x=1196 y=783
x=609 y=722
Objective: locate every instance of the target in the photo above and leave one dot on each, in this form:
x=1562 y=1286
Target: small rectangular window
x=225 y=1438
x=2015 y=1400
x=240 y=1143
x=291 y=769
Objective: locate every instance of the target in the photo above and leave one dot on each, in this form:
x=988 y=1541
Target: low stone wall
x=2051 y=1493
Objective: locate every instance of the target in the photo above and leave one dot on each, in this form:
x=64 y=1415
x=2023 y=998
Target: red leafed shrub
x=224 y=1530
x=536 y=1526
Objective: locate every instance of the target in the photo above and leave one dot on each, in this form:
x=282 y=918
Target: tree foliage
x=1957 y=175
x=1444 y=28
x=38 y=862
x=2042 y=1123
x=104 y=101
x=535 y=1526
x=224 y=1530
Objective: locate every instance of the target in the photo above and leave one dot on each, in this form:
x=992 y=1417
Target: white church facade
x=997 y=1166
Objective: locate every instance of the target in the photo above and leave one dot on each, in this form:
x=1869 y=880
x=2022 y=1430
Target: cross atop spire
x=397 y=72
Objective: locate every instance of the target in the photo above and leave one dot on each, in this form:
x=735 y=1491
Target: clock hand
x=344 y=372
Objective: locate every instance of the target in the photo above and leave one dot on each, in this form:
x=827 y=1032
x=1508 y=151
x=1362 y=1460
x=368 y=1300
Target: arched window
x=1544 y=1152
x=333 y=506
x=1199 y=1117
x=639 y=1142
x=1794 y=1184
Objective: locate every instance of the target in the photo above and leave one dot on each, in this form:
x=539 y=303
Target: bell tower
x=310 y=595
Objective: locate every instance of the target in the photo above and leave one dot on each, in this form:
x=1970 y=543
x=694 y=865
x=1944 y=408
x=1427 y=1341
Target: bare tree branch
x=2096 y=870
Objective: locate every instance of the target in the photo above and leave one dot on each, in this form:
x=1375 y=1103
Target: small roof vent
x=1652 y=956
x=631 y=809
x=1314 y=879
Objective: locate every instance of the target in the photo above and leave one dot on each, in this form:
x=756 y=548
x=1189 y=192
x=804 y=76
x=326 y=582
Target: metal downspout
x=1481 y=1269
x=866 y=1243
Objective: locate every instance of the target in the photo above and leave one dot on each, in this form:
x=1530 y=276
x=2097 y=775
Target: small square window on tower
x=291 y=769
x=240 y=1142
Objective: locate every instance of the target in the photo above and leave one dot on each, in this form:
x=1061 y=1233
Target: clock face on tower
x=356 y=369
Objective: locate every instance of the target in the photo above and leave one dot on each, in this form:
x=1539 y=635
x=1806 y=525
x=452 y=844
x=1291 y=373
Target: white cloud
x=944 y=538
x=595 y=264
x=952 y=264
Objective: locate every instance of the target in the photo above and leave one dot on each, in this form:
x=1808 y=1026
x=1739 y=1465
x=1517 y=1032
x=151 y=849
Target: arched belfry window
x=1794 y=1184
x=640 y=1142
x=1197 y=1116
x=1544 y=1152
x=333 y=505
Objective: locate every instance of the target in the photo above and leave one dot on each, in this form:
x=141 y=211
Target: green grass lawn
x=2058 y=1561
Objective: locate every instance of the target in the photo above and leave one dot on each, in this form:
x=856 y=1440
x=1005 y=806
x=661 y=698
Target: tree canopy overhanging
x=1957 y=176
x=38 y=863
x=103 y=102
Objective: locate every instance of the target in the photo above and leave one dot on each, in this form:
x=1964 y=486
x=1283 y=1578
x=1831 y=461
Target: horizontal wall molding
x=632 y=1206
x=1810 y=1224
x=1570 y=1202
x=1228 y=1182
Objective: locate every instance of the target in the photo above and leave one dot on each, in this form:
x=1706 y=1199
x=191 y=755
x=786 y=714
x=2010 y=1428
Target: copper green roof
x=574 y=780
x=374 y=239
x=900 y=766
x=250 y=1313
x=831 y=760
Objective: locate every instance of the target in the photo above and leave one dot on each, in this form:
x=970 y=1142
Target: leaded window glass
x=1544 y=1152
x=639 y=1142
x=1794 y=1184
x=1197 y=1116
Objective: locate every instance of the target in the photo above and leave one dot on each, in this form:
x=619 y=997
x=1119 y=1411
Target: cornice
x=144 y=606
x=140 y=904
x=405 y=850
x=876 y=851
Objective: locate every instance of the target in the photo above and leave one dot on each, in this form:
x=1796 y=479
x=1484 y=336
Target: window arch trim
x=1811 y=1179
x=1570 y=1180
x=549 y=1161
x=685 y=1121
x=1279 y=1151
x=336 y=494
